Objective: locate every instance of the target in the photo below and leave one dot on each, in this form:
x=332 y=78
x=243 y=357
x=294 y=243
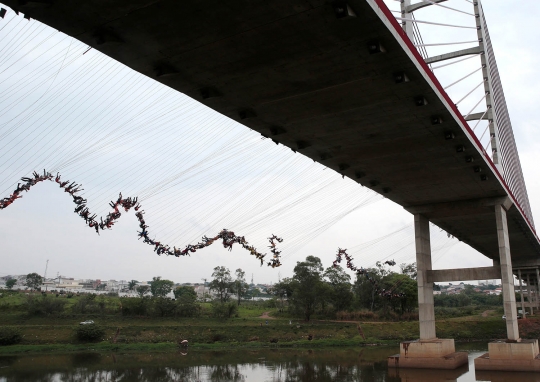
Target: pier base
x=428 y=354
x=510 y=356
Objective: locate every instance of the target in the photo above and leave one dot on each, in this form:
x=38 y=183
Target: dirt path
x=266 y=316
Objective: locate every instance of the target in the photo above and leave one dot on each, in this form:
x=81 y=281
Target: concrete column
x=507 y=277
x=529 y=295
x=426 y=310
x=521 y=294
x=408 y=26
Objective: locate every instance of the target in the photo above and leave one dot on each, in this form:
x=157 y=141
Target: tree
x=186 y=301
x=409 y=270
x=11 y=283
x=159 y=287
x=282 y=290
x=340 y=293
x=132 y=284
x=185 y=291
x=142 y=290
x=221 y=283
x=240 y=286
x=307 y=284
x=402 y=283
x=33 y=281
x=365 y=291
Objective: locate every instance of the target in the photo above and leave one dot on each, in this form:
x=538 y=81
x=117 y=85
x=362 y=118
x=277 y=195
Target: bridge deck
x=293 y=71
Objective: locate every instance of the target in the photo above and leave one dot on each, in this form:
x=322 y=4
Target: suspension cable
x=469 y=93
x=478 y=103
x=481 y=118
x=448 y=43
x=453 y=9
x=462 y=78
x=455 y=62
x=439 y=24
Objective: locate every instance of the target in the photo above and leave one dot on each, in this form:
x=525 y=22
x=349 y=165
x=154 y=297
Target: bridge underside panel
x=296 y=73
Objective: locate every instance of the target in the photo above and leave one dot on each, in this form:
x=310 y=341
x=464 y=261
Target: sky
x=75 y=111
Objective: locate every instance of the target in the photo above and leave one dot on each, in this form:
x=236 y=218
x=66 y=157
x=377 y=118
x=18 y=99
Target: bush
x=186 y=306
x=92 y=332
x=362 y=315
x=163 y=306
x=224 y=310
x=134 y=306
x=92 y=304
x=43 y=305
x=9 y=336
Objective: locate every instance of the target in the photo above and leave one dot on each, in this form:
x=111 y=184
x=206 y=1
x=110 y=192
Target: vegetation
x=33 y=281
x=221 y=284
x=314 y=307
x=43 y=305
x=313 y=292
x=89 y=332
x=142 y=290
x=160 y=288
x=11 y=283
x=9 y=336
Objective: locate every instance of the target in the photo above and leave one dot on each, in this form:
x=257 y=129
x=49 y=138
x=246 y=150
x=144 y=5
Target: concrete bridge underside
x=302 y=75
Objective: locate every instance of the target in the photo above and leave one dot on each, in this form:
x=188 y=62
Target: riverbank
x=57 y=334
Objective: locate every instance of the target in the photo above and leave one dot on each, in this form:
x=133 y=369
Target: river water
x=261 y=365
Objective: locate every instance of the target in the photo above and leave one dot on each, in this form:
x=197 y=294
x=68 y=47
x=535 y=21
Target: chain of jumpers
x=342 y=253
x=228 y=237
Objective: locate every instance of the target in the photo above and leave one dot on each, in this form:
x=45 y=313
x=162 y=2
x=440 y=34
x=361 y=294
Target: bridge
x=342 y=83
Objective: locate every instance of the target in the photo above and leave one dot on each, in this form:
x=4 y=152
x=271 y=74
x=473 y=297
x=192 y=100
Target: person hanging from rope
x=228 y=238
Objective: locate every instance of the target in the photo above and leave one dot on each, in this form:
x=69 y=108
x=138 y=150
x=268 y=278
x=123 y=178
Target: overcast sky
x=113 y=130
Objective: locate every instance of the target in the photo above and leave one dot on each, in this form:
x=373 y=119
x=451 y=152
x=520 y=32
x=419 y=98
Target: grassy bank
x=56 y=334
x=248 y=329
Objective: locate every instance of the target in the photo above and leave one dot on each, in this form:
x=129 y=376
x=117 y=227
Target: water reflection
x=506 y=376
x=426 y=375
x=275 y=365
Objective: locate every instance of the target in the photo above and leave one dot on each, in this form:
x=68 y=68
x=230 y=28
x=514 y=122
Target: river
x=259 y=365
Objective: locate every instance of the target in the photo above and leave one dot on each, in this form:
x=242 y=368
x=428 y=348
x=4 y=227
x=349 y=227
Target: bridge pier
x=512 y=354
x=428 y=351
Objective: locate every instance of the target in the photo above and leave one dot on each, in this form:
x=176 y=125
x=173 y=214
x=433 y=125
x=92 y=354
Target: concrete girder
x=460 y=208
x=464 y=274
x=477 y=116
x=417 y=6
x=456 y=54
